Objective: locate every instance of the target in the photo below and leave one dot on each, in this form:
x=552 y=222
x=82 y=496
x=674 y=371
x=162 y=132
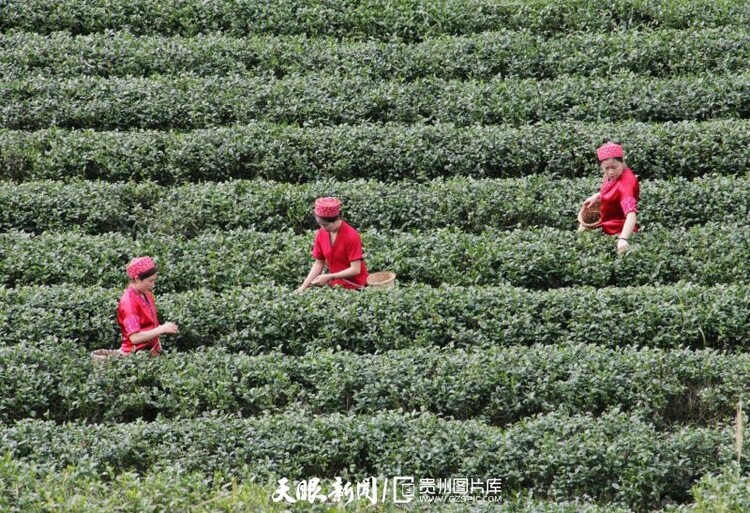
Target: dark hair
x=147 y=274
x=330 y=219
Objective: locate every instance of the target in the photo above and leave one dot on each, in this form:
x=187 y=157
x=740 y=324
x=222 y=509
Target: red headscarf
x=327 y=207
x=139 y=265
x=609 y=151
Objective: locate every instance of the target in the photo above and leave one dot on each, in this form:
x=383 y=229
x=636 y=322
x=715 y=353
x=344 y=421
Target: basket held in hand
x=590 y=216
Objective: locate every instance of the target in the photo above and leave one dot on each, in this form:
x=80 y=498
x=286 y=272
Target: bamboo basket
x=103 y=355
x=382 y=280
x=590 y=217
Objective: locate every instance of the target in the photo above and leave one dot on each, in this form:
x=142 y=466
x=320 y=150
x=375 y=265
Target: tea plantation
x=518 y=366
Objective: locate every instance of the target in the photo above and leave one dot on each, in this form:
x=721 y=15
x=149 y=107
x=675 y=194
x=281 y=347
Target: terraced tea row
x=175 y=490
x=464 y=203
x=539 y=258
x=497 y=385
x=370 y=19
x=189 y=102
x=264 y=319
x=385 y=153
x=24 y=487
x=511 y=54
x=616 y=457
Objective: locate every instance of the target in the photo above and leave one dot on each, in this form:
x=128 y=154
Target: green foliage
x=387 y=153
x=726 y=490
x=56 y=380
x=93 y=207
x=79 y=488
x=461 y=136
x=539 y=258
x=614 y=458
x=188 y=101
x=410 y=20
x=519 y=54
x=467 y=204
x=265 y=319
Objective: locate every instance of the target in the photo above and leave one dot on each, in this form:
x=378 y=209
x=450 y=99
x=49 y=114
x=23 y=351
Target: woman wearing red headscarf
x=337 y=246
x=136 y=313
x=618 y=195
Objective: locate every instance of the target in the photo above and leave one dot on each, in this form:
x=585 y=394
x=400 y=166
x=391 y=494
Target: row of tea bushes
x=536 y=258
x=467 y=204
x=520 y=54
x=189 y=101
x=409 y=20
x=24 y=487
x=386 y=153
x=616 y=457
x=56 y=380
x=80 y=487
x=265 y=319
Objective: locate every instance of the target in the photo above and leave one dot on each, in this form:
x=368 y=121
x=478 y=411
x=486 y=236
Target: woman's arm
x=593 y=199
x=144 y=336
x=315 y=271
x=627 y=230
x=353 y=270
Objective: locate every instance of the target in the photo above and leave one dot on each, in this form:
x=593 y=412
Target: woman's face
x=146 y=284
x=327 y=226
x=612 y=168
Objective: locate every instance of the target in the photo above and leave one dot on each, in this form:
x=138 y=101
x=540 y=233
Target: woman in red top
x=136 y=313
x=337 y=246
x=618 y=195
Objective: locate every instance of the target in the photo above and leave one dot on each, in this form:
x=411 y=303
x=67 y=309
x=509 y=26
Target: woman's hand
x=168 y=328
x=312 y=276
x=322 y=279
x=592 y=200
x=627 y=230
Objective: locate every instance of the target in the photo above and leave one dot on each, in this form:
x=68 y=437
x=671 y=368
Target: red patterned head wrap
x=327 y=207
x=609 y=151
x=140 y=265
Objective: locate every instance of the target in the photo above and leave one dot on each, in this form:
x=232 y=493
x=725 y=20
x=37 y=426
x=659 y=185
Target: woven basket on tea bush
x=590 y=216
x=382 y=280
x=102 y=355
